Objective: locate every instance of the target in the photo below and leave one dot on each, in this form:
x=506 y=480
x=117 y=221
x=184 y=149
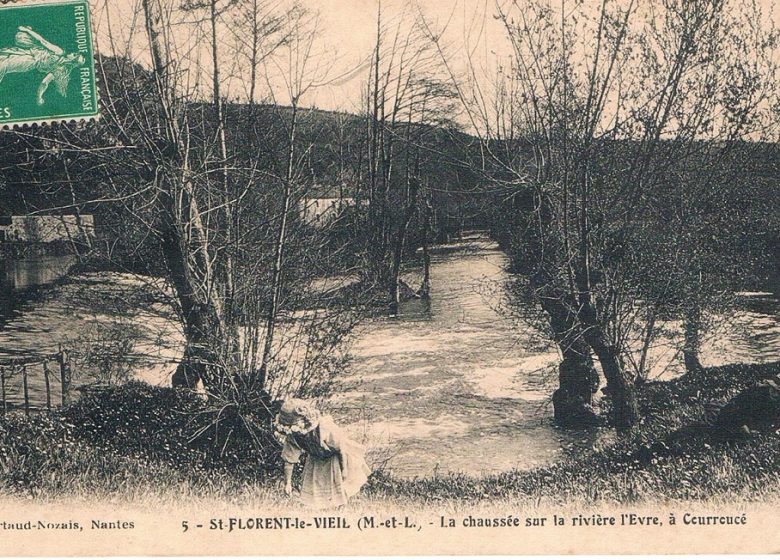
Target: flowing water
x=458 y=385
x=450 y=385
x=84 y=312
x=454 y=384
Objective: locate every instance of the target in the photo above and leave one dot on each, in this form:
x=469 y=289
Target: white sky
x=342 y=52
x=346 y=39
x=351 y=24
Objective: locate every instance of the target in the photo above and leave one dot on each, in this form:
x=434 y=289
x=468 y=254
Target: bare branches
x=600 y=109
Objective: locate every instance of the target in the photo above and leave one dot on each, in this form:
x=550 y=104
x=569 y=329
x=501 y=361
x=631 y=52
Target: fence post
x=26 y=391
x=2 y=388
x=48 y=385
x=63 y=375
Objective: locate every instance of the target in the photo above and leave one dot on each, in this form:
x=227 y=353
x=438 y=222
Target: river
x=450 y=385
x=455 y=385
x=19 y=277
x=461 y=386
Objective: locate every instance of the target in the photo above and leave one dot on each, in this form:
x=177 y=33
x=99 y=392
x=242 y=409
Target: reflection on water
x=19 y=276
x=759 y=323
x=18 y=280
x=748 y=334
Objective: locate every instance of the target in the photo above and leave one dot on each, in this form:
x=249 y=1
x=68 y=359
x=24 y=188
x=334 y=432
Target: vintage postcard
x=389 y=277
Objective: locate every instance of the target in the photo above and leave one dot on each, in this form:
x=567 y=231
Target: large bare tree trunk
x=184 y=241
x=200 y=318
x=625 y=410
x=577 y=377
x=620 y=386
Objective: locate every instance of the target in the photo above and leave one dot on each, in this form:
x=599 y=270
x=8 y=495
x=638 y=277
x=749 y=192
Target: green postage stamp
x=47 y=65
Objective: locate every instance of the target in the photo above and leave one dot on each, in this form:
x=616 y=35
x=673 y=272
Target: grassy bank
x=138 y=443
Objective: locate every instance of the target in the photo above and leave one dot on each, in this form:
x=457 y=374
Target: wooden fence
x=35 y=384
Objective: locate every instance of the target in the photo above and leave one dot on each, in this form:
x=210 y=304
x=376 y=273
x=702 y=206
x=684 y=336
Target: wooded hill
x=60 y=169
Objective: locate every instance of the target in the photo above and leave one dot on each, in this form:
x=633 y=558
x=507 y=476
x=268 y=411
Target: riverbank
x=434 y=388
x=125 y=447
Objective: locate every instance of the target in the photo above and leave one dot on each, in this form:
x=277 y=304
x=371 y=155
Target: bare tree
x=405 y=96
x=260 y=28
x=205 y=194
x=596 y=104
x=299 y=77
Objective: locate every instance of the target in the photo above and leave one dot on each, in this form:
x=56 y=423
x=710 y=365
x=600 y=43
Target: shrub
x=175 y=427
x=135 y=428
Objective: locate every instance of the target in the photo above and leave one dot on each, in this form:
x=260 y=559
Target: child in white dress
x=335 y=467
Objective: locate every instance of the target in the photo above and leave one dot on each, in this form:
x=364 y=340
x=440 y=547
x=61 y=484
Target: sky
x=338 y=69
x=341 y=52
x=351 y=24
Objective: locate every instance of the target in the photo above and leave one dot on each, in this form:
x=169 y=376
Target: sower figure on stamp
x=34 y=53
x=335 y=467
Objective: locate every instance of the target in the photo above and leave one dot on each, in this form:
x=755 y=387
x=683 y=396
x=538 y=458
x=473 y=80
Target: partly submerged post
x=63 y=379
x=2 y=388
x=26 y=391
x=48 y=385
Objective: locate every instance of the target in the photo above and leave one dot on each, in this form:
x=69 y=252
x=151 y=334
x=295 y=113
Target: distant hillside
x=331 y=148
x=37 y=174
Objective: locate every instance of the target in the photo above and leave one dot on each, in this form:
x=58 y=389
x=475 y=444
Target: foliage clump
x=154 y=433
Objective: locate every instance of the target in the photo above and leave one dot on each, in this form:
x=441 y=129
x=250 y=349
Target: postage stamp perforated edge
x=64 y=120
x=60 y=119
